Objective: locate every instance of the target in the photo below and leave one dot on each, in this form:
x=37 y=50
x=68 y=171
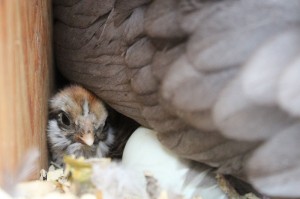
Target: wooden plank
x=25 y=74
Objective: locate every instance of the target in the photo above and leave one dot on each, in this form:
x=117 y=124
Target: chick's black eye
x=64 y=120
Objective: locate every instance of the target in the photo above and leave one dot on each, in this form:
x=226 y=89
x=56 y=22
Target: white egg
x=144 y=153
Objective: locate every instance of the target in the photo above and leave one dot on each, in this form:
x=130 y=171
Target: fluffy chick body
x=78 y=125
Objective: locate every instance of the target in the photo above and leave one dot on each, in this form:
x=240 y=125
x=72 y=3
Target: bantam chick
x=78 y=125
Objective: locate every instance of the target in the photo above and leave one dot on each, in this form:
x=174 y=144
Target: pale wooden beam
x=25 y=79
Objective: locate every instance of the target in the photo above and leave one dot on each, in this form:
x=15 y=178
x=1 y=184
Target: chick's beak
x=87 y=139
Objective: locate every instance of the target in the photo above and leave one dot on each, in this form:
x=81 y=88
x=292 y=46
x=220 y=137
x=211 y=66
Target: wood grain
x=25 y=75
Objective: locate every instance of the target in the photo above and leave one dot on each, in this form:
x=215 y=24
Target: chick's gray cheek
x=102 y=135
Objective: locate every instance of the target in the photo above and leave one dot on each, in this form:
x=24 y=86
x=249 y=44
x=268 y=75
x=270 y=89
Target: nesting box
x=25 y=81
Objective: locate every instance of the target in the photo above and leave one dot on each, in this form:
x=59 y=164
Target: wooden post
x=25 y=74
